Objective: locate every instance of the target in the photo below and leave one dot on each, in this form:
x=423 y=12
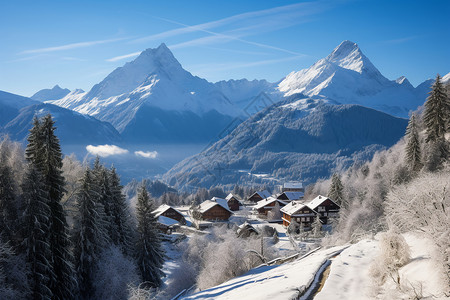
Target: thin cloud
x=280 y=13
x=240 y=65
x=147 y=154
x=400 y=40
x=117 y=58
x=70 y=46
x=106 y=150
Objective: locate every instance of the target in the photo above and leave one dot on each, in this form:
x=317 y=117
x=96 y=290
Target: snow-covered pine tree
x=35 y=226
x=317 y=227
x=437 y=112
x=413 y=153
x=123 y=235
x=101 y=185
x=44 y=152
x=88 y=237
x=149 y=252
x=336 y=192
x=8 y=203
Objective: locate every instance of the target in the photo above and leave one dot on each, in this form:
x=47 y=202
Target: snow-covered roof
x=163 y=208
x=267 y=201
x=167 y=221
x=263 y=194
x=230 y=195
x=221 y=201
x=294 y=195
x=317 y=201
x=292 y=207
x=293 y=185
x=208 y=204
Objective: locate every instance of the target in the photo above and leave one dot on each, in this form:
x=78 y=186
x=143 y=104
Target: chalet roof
x=221 y=201
x=230 y=195
x=208 y=204
x=294 y=195
x=167 y=221
x=318 y=200
x=267 y=201
x=292 y=207
x=163 y=208
x=293 y=185
x=263 y=194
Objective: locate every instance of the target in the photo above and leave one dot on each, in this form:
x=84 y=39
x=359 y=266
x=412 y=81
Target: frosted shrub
x=423 y=205
x=114 y=273
x=394 y=253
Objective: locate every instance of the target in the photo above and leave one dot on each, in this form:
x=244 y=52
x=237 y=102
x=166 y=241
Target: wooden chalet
x=170 y=212
x=233 y=202
x=213 y=211
x=291 y=196
x=325 y=207
x=258 y=196
x=293 y=186
x=167 y=225
x=265 y=205
x=300 y=212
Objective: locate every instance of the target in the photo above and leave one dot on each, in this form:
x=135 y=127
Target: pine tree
x=336 y=192
x=36 y=227
x=88 y=238
x=44 y=152
x=317 y=227
x=8 y=203
x=123 y=235
x=437 y=112
x=413 y=155
x=149 y=253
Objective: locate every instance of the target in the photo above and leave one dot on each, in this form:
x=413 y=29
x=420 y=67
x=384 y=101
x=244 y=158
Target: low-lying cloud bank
x=105 y=150
x=147 y=154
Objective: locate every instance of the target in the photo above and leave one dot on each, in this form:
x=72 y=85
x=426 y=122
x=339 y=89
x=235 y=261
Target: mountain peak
x=348 y=56
x=54 y=93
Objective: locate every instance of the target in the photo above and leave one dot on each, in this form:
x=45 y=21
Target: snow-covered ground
x=349 y=276
x=284 y=281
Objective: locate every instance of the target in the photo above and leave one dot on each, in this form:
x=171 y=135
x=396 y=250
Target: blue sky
x=77 y=43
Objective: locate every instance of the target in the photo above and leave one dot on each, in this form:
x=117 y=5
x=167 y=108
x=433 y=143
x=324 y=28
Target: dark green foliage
x=413 y=153
x=149 y=253
x=44 y=152
x=437 y=112
x=120 y=214
x=336 y=192
x=35 y=227
x=8 y=203
x=88 y=238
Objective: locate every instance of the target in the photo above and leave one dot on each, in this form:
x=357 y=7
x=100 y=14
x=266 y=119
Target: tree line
x=53 y=259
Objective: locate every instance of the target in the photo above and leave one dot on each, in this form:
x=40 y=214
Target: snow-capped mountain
x=50 y=94
x=348 y=77
x=143 y=94
x=299 y=137
x=17 y=113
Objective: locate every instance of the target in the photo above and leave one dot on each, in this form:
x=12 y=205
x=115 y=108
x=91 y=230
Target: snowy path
x=349 y=273
x=281 y=282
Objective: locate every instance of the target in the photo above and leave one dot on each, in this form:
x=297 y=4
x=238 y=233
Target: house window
x=321 y=208
x=307 y=219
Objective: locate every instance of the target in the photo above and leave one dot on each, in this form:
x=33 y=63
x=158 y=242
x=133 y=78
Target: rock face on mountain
x=298 y=138
x=348 y=77
x=50 y=94
x=17 y=114
x=141 y=97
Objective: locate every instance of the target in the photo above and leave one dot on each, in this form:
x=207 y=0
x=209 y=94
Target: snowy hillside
x=348 y=76
x=346 y=276
x=17 y=113
x=296 y=138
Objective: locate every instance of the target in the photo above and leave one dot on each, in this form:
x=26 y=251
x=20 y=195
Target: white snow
x=270 y=282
